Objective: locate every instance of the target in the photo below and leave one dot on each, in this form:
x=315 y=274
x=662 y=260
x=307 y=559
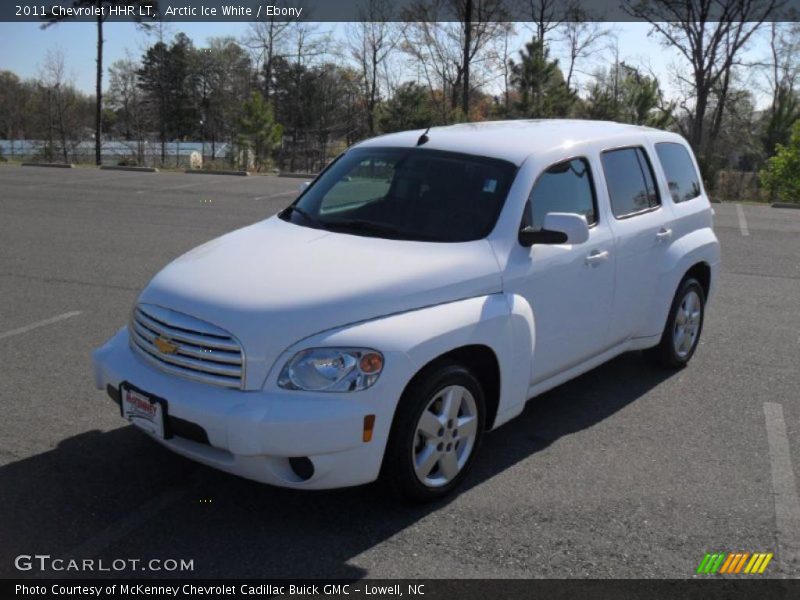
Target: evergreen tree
x=542 y=90
x=169 y=83
x=409 y=108
x=258 y=131
x=624 y=94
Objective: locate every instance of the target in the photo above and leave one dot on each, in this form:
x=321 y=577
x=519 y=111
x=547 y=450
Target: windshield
x=407 y=193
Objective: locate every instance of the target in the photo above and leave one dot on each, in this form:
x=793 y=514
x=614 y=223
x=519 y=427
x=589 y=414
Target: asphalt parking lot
x=626 y=471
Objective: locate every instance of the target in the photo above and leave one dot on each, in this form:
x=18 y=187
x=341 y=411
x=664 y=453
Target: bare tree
x=581 y=35
x=269 y=38
x=124 y=97
x=548 y=15
x=225 y=84
x=370 y=42
x=307 y=46
x=61 y=101
x=102 y=15
x=434 y=48
x=785 y=55
x=777 y=75
x=499 y=54
x=709 y=35
x=449 y=52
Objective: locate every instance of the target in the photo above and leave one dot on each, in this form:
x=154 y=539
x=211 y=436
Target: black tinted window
x=565 y=187
x=407 y=193
x=684 y=184
x=631 y=185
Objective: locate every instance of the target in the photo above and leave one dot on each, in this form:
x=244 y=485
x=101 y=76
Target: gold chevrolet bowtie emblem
x=166 y=346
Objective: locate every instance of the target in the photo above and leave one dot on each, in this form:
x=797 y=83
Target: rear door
x=641 y=224
x=690 y=206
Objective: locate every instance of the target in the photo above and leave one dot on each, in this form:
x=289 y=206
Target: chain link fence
x=143 y=153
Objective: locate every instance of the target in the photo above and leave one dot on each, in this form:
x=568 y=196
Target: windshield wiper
x=376 y=228
x=307 y=216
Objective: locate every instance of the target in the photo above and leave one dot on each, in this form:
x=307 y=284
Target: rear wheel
x=683 y=328
x=436 y=433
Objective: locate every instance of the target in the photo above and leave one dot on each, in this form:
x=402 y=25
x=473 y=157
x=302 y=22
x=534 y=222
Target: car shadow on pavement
x=119 y=495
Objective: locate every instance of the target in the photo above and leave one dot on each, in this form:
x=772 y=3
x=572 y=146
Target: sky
x=24 y=46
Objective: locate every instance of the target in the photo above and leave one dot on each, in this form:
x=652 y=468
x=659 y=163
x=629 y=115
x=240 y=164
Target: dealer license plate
x=144 y=412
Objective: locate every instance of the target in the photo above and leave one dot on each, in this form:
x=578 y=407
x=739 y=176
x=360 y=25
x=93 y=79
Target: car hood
x=275 y=283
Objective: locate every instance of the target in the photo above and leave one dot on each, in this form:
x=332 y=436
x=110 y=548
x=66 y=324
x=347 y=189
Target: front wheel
x=683 y=328
x=436 y=433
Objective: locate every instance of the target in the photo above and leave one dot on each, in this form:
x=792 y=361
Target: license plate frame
x=144 y=410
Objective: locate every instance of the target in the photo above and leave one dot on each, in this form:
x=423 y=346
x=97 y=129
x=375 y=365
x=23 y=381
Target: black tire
x=665 y=354
x=398 y=472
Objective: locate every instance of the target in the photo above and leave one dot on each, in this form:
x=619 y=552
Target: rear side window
x=682 y=178
x=630 y=180
x=564 y=187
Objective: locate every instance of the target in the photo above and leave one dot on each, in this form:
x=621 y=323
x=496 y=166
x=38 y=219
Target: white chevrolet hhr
x=414 y=296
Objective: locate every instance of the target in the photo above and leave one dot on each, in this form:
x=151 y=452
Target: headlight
x=332 y=370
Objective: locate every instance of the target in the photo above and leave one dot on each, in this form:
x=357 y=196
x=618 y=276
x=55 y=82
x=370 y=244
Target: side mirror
x=559 y=228
x=302 y=187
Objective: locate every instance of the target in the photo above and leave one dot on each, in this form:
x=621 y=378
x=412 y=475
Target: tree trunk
x=506 y=103
x=719 y=112
x=465 y=66
x=373 y=93
x=62 y=128
x=98 y=109
x=268 y=61
x=697 y=123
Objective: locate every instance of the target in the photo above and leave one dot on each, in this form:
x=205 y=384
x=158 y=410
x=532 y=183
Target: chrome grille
x=185 y=346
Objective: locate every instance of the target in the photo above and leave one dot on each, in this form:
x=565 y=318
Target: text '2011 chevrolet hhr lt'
x=415 y=295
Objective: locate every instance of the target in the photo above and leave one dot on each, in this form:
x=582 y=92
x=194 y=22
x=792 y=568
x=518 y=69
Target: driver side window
x=367 y=182
x=565 y=187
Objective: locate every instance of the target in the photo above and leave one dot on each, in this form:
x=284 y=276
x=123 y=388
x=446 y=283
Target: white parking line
x=38 y=324
x=742 y=221
x=175 y=187
x=203 y=181
x=77 y=181
x=289 y=193
x=784 y=489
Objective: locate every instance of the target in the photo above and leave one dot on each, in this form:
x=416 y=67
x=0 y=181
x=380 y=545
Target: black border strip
x=358 y=10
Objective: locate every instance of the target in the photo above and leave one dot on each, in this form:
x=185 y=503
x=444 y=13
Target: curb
x=201 y=172
x=123 y=168
x=785 y=205
x=298 y=175
x=55 y=165
x=715 y=201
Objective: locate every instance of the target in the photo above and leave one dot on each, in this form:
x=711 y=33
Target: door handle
x=663 y=234
x=597 y=257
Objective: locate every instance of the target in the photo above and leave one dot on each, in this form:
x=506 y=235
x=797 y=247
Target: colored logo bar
x=734 y=563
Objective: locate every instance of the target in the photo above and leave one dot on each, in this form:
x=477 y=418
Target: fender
x=502 y=322
x=699 y=246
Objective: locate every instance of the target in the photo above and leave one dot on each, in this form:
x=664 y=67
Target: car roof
x=515 y=140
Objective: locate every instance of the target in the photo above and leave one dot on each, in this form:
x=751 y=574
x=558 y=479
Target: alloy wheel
x=687 y=324
x=445 y=436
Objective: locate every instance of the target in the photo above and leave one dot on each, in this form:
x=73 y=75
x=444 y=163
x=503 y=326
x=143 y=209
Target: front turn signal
x=369 y=425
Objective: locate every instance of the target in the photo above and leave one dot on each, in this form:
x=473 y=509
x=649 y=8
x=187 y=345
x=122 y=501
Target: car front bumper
x=253 y=434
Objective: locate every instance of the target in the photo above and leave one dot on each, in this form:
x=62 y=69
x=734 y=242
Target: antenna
x=424 y=137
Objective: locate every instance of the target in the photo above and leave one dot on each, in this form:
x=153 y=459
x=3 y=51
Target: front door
x=569 y=286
